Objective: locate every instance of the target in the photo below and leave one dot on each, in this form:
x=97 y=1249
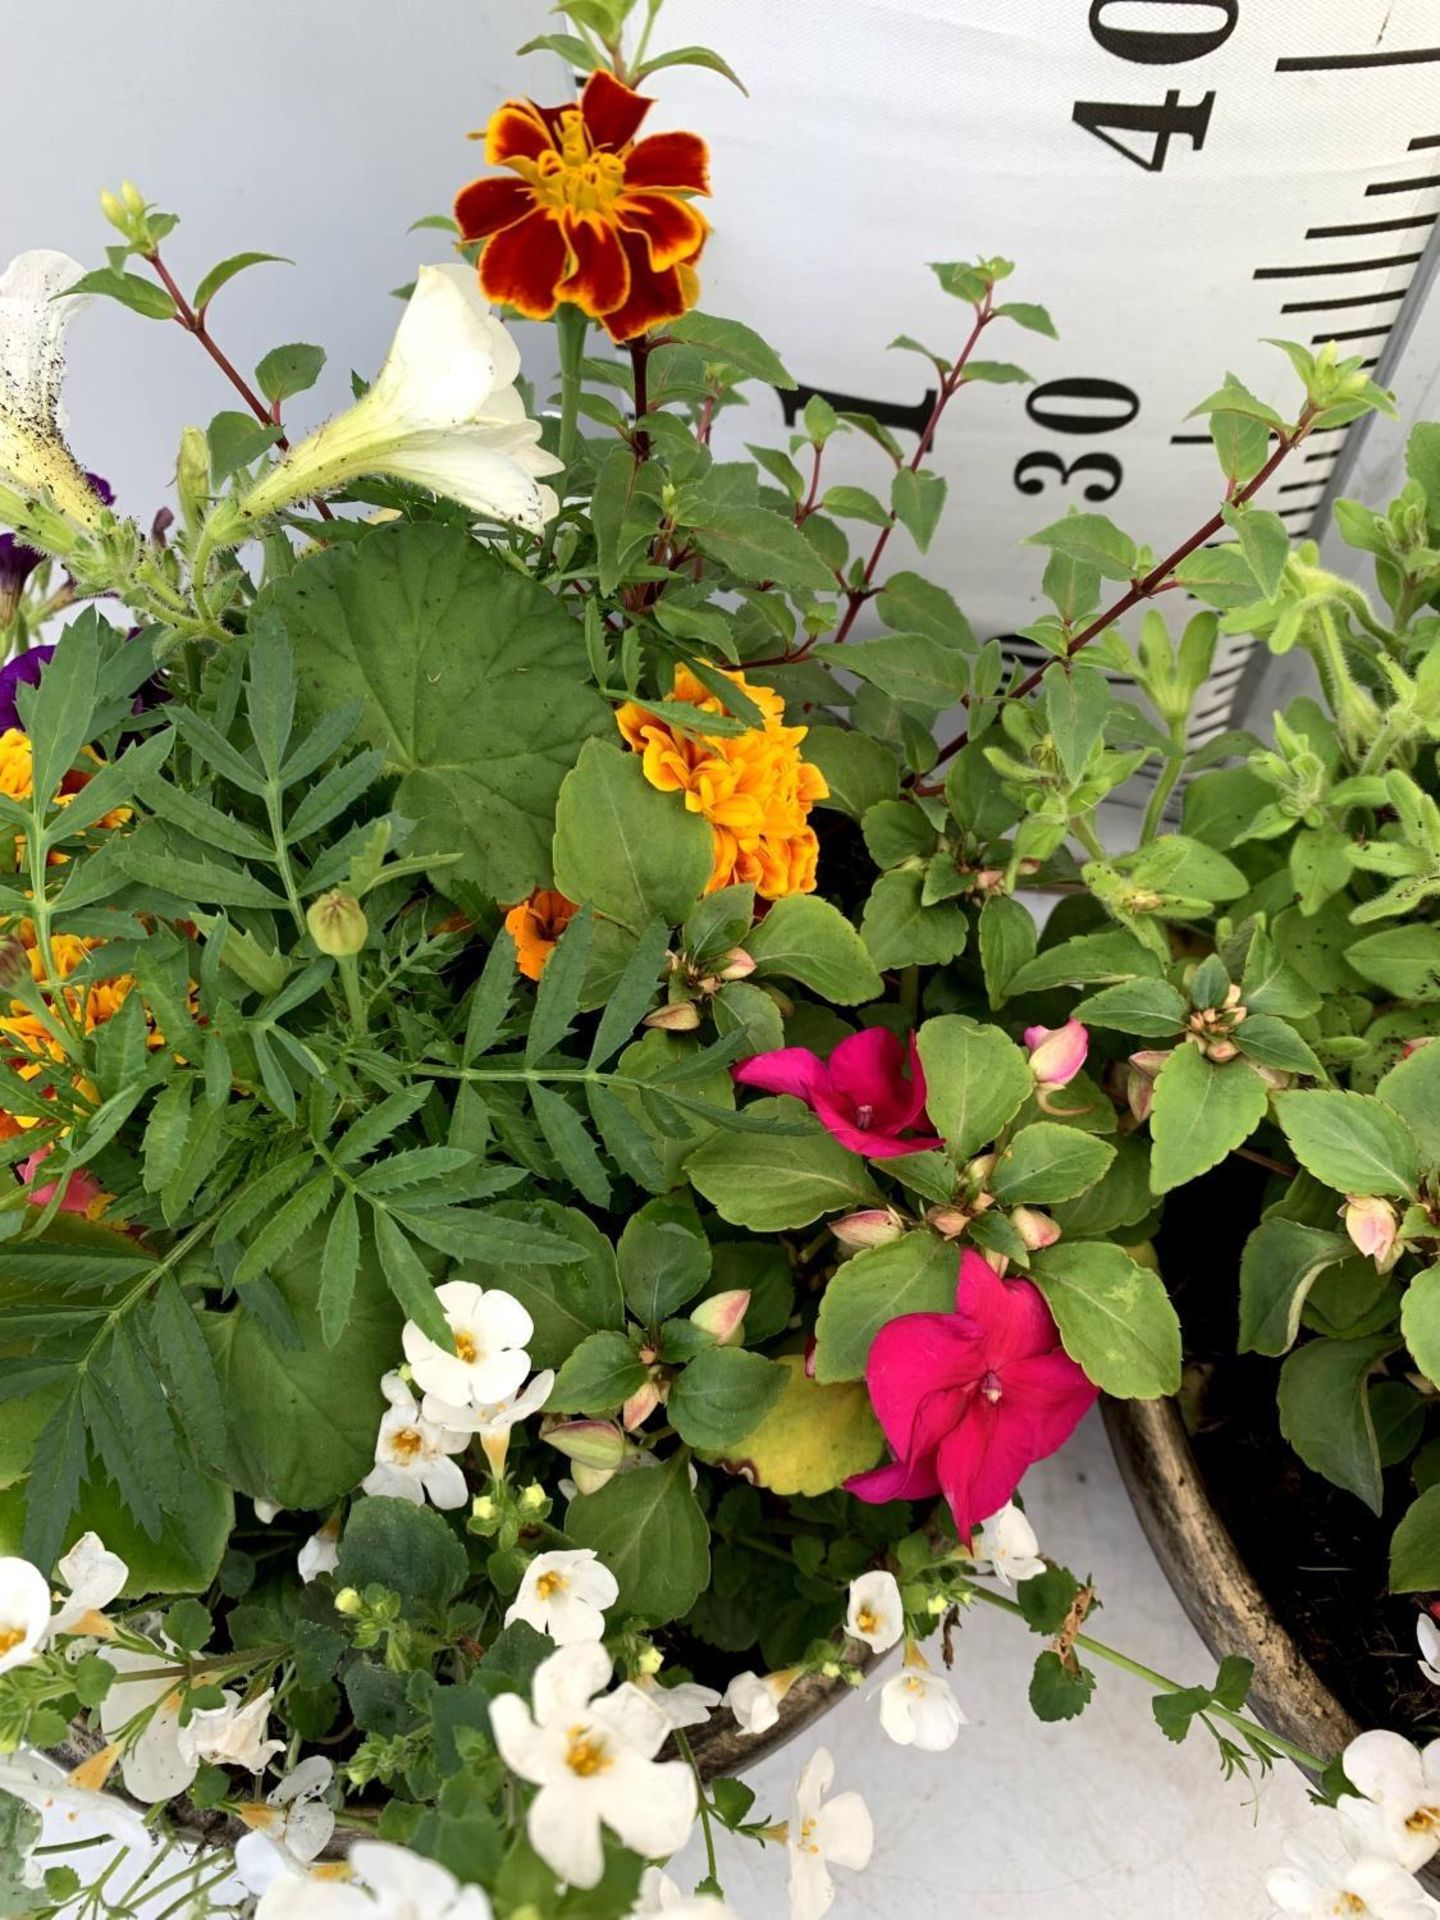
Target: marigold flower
x=535 y=925
x=594 y=218
x=753 y=787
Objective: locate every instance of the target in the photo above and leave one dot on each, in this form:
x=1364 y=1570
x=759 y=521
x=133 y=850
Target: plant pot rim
x=719 y=1747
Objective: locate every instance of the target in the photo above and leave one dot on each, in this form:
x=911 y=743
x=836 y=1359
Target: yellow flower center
x=10 y=1638
x=467 y=1347
x=867 y=1620
x=1423 y=1820
x=407 y=1443
x=575 y=180
x=586 y=1753
x=913 y=1684
x=550 y=1584
x=807 y=1842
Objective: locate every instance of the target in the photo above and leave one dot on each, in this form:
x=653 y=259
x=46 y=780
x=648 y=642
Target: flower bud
x=639 y=1407
x=1275 y=1078
x=533 y=1498
x=1149 y=1061
x=1139 y=1092
x=736 y=965
x=483 y=1508
x=337 y=924
x=1057 y=1053
x=1222 y=1050
x=949 y=1221
x=192 y=476
x=650 y=1660
x=348 y=1601
x=680 y=1016
x=132 y=196
x=1037 y=1230
x=722 y=1316
x=113 y=208
x=589 y=1443
x=979 y=1170
x=1414 y=1046
x=1374 y=1228
x=591 y=1479
x=871 y=1227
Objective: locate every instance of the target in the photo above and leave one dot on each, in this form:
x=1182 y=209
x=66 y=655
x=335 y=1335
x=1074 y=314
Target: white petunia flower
x=1007 y=1545
x=24 y=1612
x=1428 y=1634
x=918 y=1708
x=412 y=1454
x=386 y=1883
x=660 y=1894
x=493 y=1424
x=1367 y=1885
x=232 y=1735
x=321 y=1552
x=820 y=1833
x=293 y=1818
x=1403 y=1782
x=443 y=413
x=875 y=1614
x=593 y=1761
x=686 y=1704
x=565 y=1594
x=754 y=1699
x=95 y=1577
x=33 y=319
x=152 y=1767
x=486 y=1361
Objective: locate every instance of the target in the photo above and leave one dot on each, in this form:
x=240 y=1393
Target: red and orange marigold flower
x=753 y=787
x=594 y=217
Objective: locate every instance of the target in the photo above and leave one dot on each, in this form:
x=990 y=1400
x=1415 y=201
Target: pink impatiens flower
x=968 y=1400
x=868 y=1093
x=83 y=1192
x=1057 y=1053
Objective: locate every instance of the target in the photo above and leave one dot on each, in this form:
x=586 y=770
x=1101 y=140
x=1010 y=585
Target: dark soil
x=1317 y=1553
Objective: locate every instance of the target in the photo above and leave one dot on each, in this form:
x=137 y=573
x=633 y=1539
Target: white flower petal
x=651 y=1805
x=564 y=1829
x=875 y=1614
x=24 y=1612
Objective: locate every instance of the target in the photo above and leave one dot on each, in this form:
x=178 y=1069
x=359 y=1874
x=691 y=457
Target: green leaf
x=759 y=546
x=1093 y=539
x=854 y=503
x=1220 y=576
x=1114 y=1316
x=631 y=995
x=226 y=270
x=1045 y=1163
x=918 y=500
x=901 y=931
x=53 y=1487
x=647 y=1528
x=289 y=370
x=1058 y=1692
x=752 y=1185
x=997 y=373
x=1201 y=1112
x=804 y=938
x=599 y=1375
x=339 y=1269
x=1090 y=959
x=407 y=1549
x=472 y=680
x=1077 y=701
x=62 y=710
x=179 y=1346
x=1349 y=1141
x=698 y=57
x=406 y=1276
x=1325 y=1412
x=1151 y=1008
x=235 y=441
x=663 y=1259
x=1415 y=1545
x=721 y=1396
x=1420 y=1322
x=283 y=1228
x=1412 y=1089
x=141 y=296
x=621 y=846
x=911 y=667
x=1281 y=1262
x=571 y=1145
x=977 y=1078
x=730 y=341
x=557 y=1000
x=1265 y=543
x=142 y=857
x=1007 y=942
x=914 y=1274
x=858 y=771
x=1275 y=1043
x=909 y=603
x=1405 y=961
x=568 y=1302
x=1025 y=314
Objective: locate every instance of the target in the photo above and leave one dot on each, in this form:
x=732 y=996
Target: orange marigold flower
x=753 y=787
x=535 y=925
x=594 y=217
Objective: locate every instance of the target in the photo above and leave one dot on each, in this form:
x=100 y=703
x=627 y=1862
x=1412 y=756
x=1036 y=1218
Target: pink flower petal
x=982 y=1463
x=1013 y=1313
x=1050 y=1395
x=785 y=1070
x=911 y=1357
x=901 y=1480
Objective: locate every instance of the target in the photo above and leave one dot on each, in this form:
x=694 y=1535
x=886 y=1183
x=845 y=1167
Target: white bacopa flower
x=293 y=1818
x=152 y=1766
x=266 y=1510
x=755 y=1698
x=486 y=1360
x=321 y=1552
x=1367 y=1885
x=1403 y=1782
x=875 y=1614
x=232 y=1735
x=32 y=1778
x=33 y=319
x=95 y=1577
x=492 y=1424
x=593 y=1761
x=686 y=1704
x=822 y=1832
x=1007 y=1545
x=412 y=1454
x=443 y=413
x=386 y=1883
x=565 y=1594
x=24 y=1612
x=1428 y=1634
x=660 y=1894
x=918 y=1708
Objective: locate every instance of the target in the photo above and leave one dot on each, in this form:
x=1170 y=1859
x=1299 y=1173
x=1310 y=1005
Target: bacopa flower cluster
x=754 y=788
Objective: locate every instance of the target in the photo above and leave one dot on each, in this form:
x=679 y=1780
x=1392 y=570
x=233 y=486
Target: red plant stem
x=1152 y=582
x=640 y=362
x=807 y=506
x=194 y=323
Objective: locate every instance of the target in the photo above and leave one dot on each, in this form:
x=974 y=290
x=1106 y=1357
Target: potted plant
x=557 y=1188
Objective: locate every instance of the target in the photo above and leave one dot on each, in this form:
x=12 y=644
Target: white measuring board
x=1176 y=179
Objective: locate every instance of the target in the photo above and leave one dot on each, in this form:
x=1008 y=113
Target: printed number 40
x=1161 y=44
x=1172 y=116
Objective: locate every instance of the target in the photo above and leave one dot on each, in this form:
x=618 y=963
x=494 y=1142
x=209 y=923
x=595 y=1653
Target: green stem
x=687 y=1754
x=1162 y=1684
x=1085 y=834
x=354 y=999
x=282 y=855
x=1164 y=786
x=570 y=328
